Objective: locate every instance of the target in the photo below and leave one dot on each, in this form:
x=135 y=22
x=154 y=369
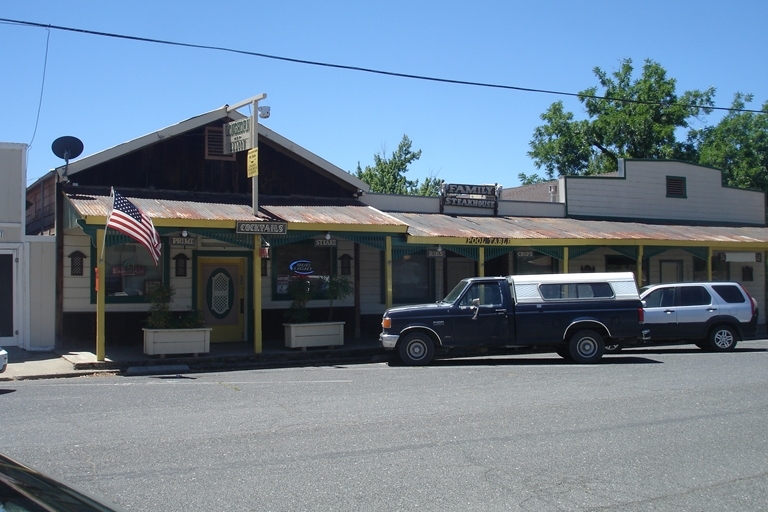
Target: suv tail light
x=641 y=315
x=751 y=301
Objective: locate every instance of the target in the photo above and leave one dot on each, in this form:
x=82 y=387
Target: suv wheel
x=416 y=349
x=722 y=338
x=586 y=346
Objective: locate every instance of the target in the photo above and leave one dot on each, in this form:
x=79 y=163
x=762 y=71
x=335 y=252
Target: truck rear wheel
x=586 y=346
x=416 y=349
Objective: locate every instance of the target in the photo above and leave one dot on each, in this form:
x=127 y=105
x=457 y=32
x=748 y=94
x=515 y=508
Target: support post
x=640 y=266
x=481 y=262
x=566 y=260
x=101 y=294
x=388 y=271
x=258 y=346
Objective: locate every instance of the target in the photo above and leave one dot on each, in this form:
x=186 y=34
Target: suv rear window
x=730 y=293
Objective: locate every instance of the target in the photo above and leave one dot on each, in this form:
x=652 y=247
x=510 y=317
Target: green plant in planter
x=161 y=316
x=300 y=290
x=337 y=287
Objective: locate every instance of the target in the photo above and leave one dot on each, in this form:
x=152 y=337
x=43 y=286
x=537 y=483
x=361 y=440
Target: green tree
x=387 y=176
x=738 y=145
x=630 y=119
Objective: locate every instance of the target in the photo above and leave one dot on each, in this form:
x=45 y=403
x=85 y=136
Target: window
x=528 y=261
x=663 y=297
x=488 y=294
x=730 y=293
x=411 y=279
x=127 y=268
x=300 y=260
x=676 y=186
x=576 y=291
x=694 y=296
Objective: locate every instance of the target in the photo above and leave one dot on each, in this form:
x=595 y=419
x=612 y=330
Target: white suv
x=714 y=316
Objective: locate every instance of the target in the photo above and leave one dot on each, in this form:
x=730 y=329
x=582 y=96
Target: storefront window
x=130 y=271
x=410 y=279
x=301 y=261
x=719 y=269
x=528 y=261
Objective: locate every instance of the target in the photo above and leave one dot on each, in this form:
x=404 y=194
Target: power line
x=362 y=69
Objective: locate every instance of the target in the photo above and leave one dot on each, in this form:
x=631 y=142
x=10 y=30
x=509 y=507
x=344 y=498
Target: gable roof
x=222 y=113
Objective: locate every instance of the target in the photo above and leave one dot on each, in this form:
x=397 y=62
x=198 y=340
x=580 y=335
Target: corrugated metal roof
x=331 y=212
x=536 y=228
x=424 y=225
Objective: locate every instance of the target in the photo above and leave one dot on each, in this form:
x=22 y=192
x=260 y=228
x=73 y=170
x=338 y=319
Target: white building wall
x=642 y=194
x=40 y=271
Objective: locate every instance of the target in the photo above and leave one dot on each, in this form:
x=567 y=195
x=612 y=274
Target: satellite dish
x=67 y=147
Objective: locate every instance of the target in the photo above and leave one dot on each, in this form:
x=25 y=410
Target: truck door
x=482 y=317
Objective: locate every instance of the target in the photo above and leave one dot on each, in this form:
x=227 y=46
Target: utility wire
x=362 y=69
x=42 y=88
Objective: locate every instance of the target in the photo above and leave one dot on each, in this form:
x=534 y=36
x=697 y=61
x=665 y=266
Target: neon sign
x=302 y=267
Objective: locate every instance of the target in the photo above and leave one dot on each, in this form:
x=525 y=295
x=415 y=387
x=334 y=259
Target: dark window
x=300 y=260
x=730 y=293
x=576 y=291
x=694 y=296
x=489 y=294
x=676 y=186
x=664 y=297
x=410 y=279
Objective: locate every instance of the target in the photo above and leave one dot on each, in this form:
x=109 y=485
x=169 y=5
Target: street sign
x=261 y=228
x=237 y=135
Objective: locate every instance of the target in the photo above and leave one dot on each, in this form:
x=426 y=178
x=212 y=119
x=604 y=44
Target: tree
x=630 y=119
x=738 y=145
x=387 y=176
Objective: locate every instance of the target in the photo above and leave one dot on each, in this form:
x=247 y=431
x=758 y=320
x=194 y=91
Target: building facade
x=231 y=249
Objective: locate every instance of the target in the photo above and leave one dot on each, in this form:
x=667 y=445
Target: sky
x=106 y=91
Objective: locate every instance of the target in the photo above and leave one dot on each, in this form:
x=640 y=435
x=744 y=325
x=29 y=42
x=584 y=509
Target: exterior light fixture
x=184 y=233
x=328 y=235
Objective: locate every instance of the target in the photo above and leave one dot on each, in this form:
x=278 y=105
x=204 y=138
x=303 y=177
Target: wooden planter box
x=314 y=334
x=177 y=341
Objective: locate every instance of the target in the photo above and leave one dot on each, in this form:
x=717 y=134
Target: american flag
x=126 y=218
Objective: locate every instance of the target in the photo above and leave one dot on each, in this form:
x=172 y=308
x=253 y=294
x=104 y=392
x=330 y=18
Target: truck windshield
x=454 y=294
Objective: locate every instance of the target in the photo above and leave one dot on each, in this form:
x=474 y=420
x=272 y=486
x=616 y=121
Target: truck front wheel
x=586 y=346
x=416 y=349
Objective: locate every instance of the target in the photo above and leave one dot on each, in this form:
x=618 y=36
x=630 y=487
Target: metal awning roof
x=465 y=230
x=424 y=228
x=324 y=215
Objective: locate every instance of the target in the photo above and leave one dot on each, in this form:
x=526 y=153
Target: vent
x=214 y=145
x=676 y=186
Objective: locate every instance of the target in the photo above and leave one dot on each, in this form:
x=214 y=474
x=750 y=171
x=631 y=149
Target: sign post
x=242 y=135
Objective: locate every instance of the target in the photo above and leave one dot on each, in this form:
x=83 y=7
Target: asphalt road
x=647 y=429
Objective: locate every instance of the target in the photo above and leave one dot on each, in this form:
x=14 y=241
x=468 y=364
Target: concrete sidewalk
x=131 y=361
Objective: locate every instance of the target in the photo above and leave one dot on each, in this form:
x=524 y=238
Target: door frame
x=16 y=298
x=247 y=292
